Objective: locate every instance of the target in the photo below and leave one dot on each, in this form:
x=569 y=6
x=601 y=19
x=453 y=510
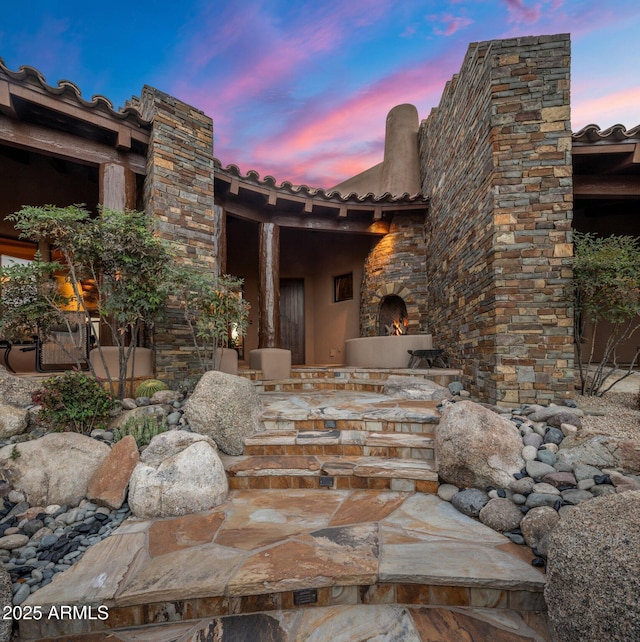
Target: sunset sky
x=300 y=90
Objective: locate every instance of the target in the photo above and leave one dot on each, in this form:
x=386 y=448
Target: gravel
x=617 y=414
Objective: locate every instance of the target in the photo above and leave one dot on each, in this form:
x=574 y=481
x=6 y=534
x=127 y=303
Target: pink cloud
x=519 y=12
x=619 y=107
x=452 y=24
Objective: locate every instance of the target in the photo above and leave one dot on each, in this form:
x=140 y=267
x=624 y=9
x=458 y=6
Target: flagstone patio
x=272 y=551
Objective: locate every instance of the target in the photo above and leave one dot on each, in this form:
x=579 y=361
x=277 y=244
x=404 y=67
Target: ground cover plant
x=73 y=402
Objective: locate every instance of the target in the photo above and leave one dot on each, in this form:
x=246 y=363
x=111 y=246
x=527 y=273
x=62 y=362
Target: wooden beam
x=48 y=142
x=636 y=153
x=273 y=198
x=84 y=114
x=606 y=186
x=269 y=293
x=319 y=223
x=6 y=103
x=602 y=148
x=123 y=143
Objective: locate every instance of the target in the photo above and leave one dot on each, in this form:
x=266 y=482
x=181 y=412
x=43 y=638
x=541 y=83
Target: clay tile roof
x=252 y=178
x=66 y=89
x=614 y=134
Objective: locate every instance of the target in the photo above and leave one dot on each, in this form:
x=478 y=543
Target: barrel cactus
x=149 y=387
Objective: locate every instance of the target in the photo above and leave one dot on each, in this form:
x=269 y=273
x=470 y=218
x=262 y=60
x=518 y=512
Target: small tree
x=606 y=288
x=214 y=309
x=119 y=253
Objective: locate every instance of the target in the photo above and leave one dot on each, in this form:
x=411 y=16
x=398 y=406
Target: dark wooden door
x=292 y=318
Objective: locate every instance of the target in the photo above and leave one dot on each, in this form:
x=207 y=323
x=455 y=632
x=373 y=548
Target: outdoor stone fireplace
x=392 y=317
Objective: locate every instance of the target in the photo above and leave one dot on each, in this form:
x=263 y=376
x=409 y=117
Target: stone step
x=341 y=472
x=341 y=442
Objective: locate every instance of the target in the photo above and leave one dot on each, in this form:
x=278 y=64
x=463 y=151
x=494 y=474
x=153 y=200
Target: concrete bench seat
x=275 y=363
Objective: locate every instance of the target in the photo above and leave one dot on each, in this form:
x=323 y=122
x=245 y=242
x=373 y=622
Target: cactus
x=149 y=387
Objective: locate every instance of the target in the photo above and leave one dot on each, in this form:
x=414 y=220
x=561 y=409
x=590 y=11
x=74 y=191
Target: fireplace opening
x=392 y=317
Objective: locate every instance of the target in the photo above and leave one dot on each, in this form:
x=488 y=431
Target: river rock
x=54 y=469
x=470 y=501
x=538 y=469
x=226 y=408
x=557 y=420
x=538 y=523
x=545 y=413
x=501 y=515
x=593 y=552
x=476 y=447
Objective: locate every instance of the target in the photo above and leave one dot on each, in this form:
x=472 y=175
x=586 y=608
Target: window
x=343 y=287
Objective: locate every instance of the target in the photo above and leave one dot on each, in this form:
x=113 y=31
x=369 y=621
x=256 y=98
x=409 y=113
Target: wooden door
x=292 y=318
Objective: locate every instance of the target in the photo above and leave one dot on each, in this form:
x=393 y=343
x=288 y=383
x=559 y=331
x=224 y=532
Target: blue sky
x=300 y=90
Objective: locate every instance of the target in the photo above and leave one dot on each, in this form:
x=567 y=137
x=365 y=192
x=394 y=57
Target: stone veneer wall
x=178 y=194
x=396 y=265
x=496 y=164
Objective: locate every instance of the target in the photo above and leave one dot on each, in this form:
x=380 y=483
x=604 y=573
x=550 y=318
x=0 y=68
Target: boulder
x=476 y=447
x=415 y=388
x=179 y=473
x=108 y=485
x=226 y=408
x=13 y=420
x=601 y=451
x=16 y=391
x=54 y=469
x=593 y=571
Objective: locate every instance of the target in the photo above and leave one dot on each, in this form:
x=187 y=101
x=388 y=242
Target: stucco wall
x=496 y=164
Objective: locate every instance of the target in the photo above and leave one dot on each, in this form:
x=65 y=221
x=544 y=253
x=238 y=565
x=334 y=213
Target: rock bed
x=37 y=543
x=546 y=487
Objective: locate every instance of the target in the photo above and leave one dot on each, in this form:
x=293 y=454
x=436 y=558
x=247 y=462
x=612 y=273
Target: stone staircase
x=364 y=441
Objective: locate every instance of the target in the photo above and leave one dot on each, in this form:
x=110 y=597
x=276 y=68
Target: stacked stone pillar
x=496 y=164
x=178 y=195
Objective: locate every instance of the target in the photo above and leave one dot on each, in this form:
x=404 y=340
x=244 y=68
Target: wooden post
x=117 y=187
x=269 y=293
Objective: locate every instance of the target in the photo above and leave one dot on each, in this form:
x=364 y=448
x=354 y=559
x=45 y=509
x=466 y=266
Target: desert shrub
x=142 y=428
x=149 y=387
x=73 y=402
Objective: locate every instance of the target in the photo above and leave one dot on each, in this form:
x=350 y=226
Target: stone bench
x=275 y=363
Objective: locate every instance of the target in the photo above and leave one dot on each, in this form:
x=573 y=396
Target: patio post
x=269 y=293
x=117 y=187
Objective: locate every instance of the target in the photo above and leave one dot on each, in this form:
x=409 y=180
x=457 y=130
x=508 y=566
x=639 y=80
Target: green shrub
x=73 y=402
x=142 y=428
x=149 y=387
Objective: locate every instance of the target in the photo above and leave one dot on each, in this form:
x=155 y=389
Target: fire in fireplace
x=392 y=317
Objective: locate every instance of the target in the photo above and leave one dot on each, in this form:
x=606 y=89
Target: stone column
x=269 y=294
x=117 y=187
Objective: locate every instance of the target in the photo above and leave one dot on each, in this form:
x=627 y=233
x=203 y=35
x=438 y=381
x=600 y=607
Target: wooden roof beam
x=608 y=186
x=48 y=142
